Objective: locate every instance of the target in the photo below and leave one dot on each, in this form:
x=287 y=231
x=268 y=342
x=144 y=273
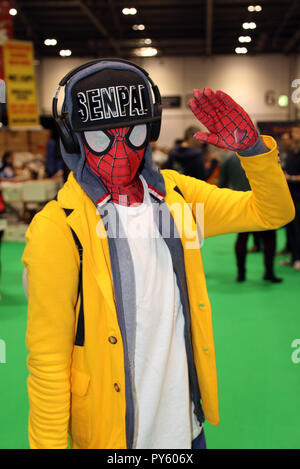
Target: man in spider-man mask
x=121 y=350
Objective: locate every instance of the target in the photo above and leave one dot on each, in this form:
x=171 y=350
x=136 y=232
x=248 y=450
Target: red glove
x=229 y=125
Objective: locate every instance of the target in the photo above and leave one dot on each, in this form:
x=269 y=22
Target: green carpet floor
x=254 y=326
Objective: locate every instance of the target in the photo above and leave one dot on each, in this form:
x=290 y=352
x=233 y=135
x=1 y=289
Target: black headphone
x=67 y=135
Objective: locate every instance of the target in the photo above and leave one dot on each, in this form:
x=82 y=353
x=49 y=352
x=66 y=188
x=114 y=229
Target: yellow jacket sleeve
x=52 y=289
x=267 y=206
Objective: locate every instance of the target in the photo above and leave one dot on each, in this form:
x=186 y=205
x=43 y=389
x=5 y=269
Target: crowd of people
x=204 y=162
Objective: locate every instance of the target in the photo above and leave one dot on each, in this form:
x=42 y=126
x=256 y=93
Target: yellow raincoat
x=82 y=389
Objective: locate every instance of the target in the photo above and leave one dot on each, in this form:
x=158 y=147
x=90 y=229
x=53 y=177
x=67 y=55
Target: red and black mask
x=115 y=156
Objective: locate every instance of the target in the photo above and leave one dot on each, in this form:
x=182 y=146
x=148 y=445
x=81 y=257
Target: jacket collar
x=84 y=218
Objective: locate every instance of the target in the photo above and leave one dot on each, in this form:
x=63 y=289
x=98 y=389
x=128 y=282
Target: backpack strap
x=79 y=337
x=176 y=189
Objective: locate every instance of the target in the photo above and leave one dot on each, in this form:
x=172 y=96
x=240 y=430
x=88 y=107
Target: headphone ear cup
x=67 y=136
x=156 y=125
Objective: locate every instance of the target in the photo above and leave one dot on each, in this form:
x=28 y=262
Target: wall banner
x=22 y=106
x=6 y=28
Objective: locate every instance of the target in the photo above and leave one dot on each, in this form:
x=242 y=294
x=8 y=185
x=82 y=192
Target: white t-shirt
x=164 y=417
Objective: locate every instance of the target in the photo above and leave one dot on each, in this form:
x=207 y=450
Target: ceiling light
x=241 y=50
x=245 y=39
x=145 y=42
x=253 y=8
x=138 y=27
x=145 y=51
x=13 y=12
x=129 y=11
x=65 y=53
x=251 y=25
x=50 y=42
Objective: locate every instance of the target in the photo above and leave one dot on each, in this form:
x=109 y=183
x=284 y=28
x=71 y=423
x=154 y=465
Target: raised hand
x=229 y=125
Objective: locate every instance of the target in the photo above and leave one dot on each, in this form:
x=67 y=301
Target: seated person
x=6 y=166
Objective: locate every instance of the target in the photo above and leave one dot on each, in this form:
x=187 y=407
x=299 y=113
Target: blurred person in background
x=256 y=242
x=2 y=210
x=232 y=175
x=6 y=166
x=178 y=141
x=292 y=174
x=187 y=157
x=55 y=165
x=211 y=164
x=10 y=172
x=2 y=225
x=286 y=144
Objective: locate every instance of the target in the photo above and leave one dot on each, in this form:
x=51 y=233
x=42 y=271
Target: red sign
x=6 y=27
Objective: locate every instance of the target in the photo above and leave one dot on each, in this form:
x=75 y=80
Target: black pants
x=257 y=239
x=293 y=234
x=269 y=246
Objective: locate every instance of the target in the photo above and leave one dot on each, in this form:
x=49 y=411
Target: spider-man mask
x=115 y=156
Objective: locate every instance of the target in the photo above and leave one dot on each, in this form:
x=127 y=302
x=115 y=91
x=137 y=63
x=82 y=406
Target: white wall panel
x=245 y=78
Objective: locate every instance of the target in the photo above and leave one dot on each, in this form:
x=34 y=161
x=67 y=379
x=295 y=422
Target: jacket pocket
x=80 y=422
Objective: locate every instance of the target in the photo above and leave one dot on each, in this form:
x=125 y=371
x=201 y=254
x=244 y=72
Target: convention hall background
x=194 y=44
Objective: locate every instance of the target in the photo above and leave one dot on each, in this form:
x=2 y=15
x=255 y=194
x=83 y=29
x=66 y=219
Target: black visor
x=109 y=99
